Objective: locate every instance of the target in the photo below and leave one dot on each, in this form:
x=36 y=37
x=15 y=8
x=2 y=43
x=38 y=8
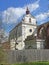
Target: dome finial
x=27 y=11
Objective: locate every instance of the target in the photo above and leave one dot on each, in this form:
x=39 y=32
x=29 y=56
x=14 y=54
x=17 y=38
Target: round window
x=30 y=30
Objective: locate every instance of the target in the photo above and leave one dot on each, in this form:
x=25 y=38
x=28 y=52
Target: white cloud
x=42 y=16
x=11 y=15
x=33 y=6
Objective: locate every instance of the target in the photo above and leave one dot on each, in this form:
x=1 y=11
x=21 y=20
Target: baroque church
x=28 y=35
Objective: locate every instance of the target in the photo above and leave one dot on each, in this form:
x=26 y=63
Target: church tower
x=28 y=26
x=25 y=28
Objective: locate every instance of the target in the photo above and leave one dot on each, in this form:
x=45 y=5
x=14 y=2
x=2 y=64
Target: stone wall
x=30 y=55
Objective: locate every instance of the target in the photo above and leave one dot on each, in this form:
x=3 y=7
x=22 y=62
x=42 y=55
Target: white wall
x=23 y=30
x=40 y=43
x=26 y=30
x=27 y=17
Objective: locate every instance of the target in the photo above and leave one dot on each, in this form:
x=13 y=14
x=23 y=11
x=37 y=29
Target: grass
x=33 y=63
x=29 y=63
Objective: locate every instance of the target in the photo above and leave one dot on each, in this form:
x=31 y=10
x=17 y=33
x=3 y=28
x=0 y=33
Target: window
x=30 y=20
x=30 y=30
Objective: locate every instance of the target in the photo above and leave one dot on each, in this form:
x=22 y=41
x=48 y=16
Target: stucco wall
x=26 y=30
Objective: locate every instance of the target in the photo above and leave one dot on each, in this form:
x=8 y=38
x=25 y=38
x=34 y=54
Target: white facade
x=28 y=25
x=26 y=28
x=40 y=43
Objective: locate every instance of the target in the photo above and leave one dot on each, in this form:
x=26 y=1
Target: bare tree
x=3 y=37
x=1 y=28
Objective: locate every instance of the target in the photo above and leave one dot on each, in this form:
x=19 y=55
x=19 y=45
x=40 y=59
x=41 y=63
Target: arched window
x=30 y=20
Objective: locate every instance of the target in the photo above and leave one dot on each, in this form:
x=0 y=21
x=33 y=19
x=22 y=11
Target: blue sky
x=13 y=10
x=4 y=4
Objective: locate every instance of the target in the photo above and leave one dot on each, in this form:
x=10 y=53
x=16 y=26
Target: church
x=28 y=35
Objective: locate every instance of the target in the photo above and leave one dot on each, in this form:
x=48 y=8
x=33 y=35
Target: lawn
x=29 y=63
x=33 y=63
